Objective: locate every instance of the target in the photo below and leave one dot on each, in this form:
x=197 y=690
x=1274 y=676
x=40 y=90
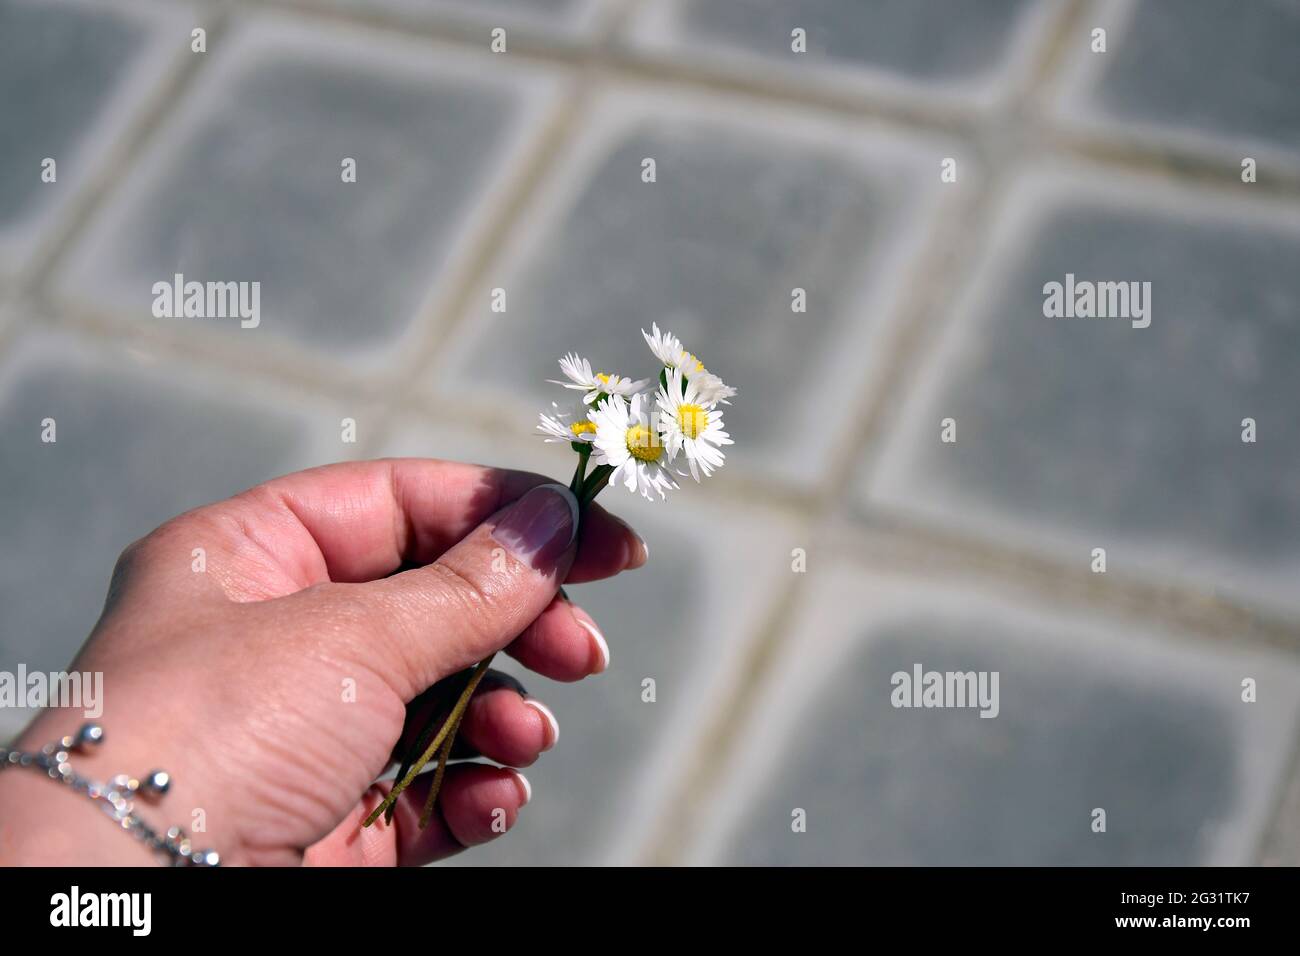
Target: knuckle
x=129 y=560
x=460 y=589
x=465 y=598
x=125 y=568
x=139 y=554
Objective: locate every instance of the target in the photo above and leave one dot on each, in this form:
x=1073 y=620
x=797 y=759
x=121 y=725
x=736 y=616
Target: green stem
x=413 y=752
x=595 y=483
x=448 y=732
x=444 y=758
x=580 y=473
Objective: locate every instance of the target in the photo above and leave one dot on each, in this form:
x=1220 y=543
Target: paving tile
x=542 y=16
x=742 y=212
x=69 y=73
x=904 y=45
x=597 y=794
x=138 y=440
x=1203 y=71
x=246 y=185
x=1082 y=433
x=1092 y=713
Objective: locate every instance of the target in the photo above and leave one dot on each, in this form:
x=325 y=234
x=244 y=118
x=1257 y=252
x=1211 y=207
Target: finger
x=477 y=803
x=502 y=723
x=563 y=643
x=508 y=727
x=606 y=545
x=415 y=627
x=360 y=521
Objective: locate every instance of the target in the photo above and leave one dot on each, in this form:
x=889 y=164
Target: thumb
x=430 y=622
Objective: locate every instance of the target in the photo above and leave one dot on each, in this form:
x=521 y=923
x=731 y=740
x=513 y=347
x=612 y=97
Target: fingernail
x=597 y=638
x=540 y=526
x=639 y=559
x=641 y=553
x=553 y=735
x=525 y=786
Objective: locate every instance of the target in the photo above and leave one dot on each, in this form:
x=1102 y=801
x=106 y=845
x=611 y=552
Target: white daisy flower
x=690 y=422
x=666 y=346
x=578 y=371
x=565 y=426
x=628 y=442
x=712 y=390
x=668 y=349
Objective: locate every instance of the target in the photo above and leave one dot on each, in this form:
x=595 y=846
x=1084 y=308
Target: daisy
x=666 y=347
x=578 y=371
x=669 y=350
x=627 y=441
x=712 y=390
x=690 y=422
x=565 y=426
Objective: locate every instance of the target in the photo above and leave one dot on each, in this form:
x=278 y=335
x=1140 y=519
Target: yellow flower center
x=583 y=427
x=644 y=443
x=603 y=378
x=692 y=419
x=691 y=364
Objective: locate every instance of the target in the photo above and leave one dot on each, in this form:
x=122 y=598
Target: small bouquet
x=634 y=437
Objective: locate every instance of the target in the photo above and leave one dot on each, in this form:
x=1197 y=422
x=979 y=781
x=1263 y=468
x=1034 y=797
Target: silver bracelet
x=117 y=797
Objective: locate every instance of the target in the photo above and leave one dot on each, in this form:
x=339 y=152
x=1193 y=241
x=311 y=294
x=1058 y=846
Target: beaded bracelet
x=117 y=797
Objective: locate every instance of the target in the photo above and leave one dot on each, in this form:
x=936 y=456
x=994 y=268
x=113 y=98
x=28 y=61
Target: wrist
x=44 y=823
x=73 y=814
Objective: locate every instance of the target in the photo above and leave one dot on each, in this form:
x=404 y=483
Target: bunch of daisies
x=640 y=438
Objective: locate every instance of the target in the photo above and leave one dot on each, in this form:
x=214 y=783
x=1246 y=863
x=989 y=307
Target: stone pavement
x=823 y=171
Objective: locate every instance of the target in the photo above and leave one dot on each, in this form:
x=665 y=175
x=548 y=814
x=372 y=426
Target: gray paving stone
x=680 y=620
x=927 y=42
x=1213 y=67
x=137 y=442
x=561 y=16
x=1081 y=433
x=741 y=213
x=245 y=185
x=64 y=67
x=1092 y=713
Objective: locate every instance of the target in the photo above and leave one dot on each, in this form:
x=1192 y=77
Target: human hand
x=275 y=685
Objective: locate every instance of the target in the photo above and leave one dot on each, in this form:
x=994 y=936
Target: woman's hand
x=264 y=651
